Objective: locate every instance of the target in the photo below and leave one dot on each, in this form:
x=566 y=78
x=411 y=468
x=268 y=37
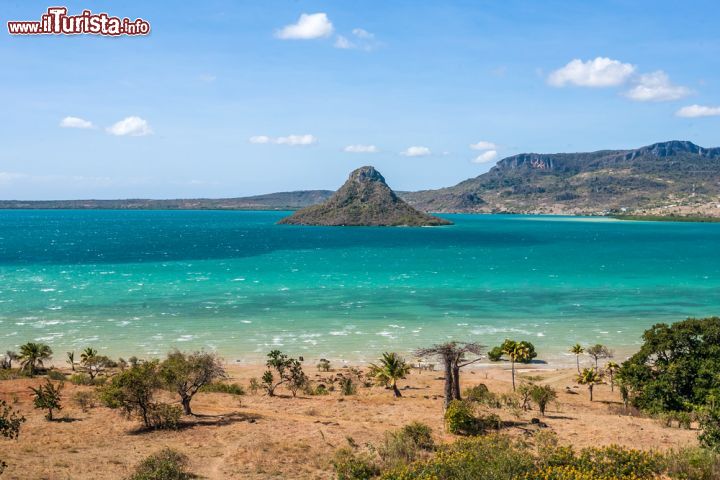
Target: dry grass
x=257 y=437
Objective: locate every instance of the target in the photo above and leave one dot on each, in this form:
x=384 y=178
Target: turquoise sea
x=143 y=282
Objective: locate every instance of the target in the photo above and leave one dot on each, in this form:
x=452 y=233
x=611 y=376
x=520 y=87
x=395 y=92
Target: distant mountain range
x=669 y=178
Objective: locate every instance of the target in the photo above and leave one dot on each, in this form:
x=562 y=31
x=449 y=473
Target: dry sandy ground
x=258 y=437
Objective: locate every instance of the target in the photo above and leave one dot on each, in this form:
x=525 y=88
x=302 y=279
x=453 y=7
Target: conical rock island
x=363 y=200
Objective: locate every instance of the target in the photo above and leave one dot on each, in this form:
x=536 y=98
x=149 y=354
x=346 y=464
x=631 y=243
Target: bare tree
x=454 y=356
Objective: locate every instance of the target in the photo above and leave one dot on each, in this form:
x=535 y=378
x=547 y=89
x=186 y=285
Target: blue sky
x=231 y=98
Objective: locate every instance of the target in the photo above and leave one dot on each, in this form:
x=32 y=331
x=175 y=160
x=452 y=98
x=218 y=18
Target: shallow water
x=142 y=282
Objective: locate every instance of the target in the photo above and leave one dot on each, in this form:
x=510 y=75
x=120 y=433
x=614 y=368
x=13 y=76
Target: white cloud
x=308 y=27
x=486 y=157
x=656 y=87
x=361 y=40
x=416 y=151
x=361 y=149
x=75 y=122
x=292 y=140
x=132 y=126
x=343 y=42
x=483 y=145
x=694 y=111
x=601 y=72
x=207 y=77
x=362 y=33
x=296 y=140
x=7 y=178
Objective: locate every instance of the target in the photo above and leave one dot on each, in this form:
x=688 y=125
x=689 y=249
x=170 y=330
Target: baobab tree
x=454 y=356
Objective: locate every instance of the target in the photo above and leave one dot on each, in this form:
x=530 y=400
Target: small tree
x=33 y=355
x=10 y=421
x=710 y=426
x=133 y=390
x=323 y=365
x=521 y=351
x=612 y=368
x=186 y=374
x=47 y=397
x=599 y=351
x=71 y=360
x=542 y=395
x=95 y=365
x=589 y=377
x=577 y=350
x=392 y=367
x=289 y=371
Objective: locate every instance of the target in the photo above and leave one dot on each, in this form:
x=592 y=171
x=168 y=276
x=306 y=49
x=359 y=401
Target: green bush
x=482 y=395
x=618 y=462
x=495 y=354
x=85 y=379
x=347 y=386
x=220 y=387
x=493 y=457
x=167 y=464
x=351 y=466
x=55 y=375
x=710 y=424
x=461 y=419
x=542 y=395
x=405 y=445
x=164 y=416
x=692 y=463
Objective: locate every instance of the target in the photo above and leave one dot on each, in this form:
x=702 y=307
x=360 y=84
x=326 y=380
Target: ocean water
x=143 y=282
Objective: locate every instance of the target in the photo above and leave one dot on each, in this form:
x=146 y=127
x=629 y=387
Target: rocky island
x=363 y=200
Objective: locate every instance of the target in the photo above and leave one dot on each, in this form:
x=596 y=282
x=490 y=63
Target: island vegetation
x=478 y=432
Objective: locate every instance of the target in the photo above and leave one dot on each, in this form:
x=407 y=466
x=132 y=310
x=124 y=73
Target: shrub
x=692 y=463
x=347 y=386
x=461 y=419
x=220 y=387
x=289 y=371
x=493 y=457
x=84 y=399
x=85 y=379
x=405 y=445
x=542 y=395
x=47 y=397
x=710 y=425
x=351 y=466
x=164 y=416
x=167 y=464
x=482 y=395
x=254 y=385
x=10 y=421
x=323 y=365
x=55 y=375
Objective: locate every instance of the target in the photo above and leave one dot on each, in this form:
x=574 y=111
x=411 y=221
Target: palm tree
x=71 y=360
x=612 y=368
x=32 y=355
x=517 y=352
x=392 y=368
x=87 y=354
x=589 y=377
x=578 y=350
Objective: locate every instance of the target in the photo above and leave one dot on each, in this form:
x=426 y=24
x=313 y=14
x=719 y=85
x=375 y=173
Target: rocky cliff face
x=676 y=177
x=364 y=200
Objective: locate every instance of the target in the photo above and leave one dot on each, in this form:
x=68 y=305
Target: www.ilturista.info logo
x=57 y=22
